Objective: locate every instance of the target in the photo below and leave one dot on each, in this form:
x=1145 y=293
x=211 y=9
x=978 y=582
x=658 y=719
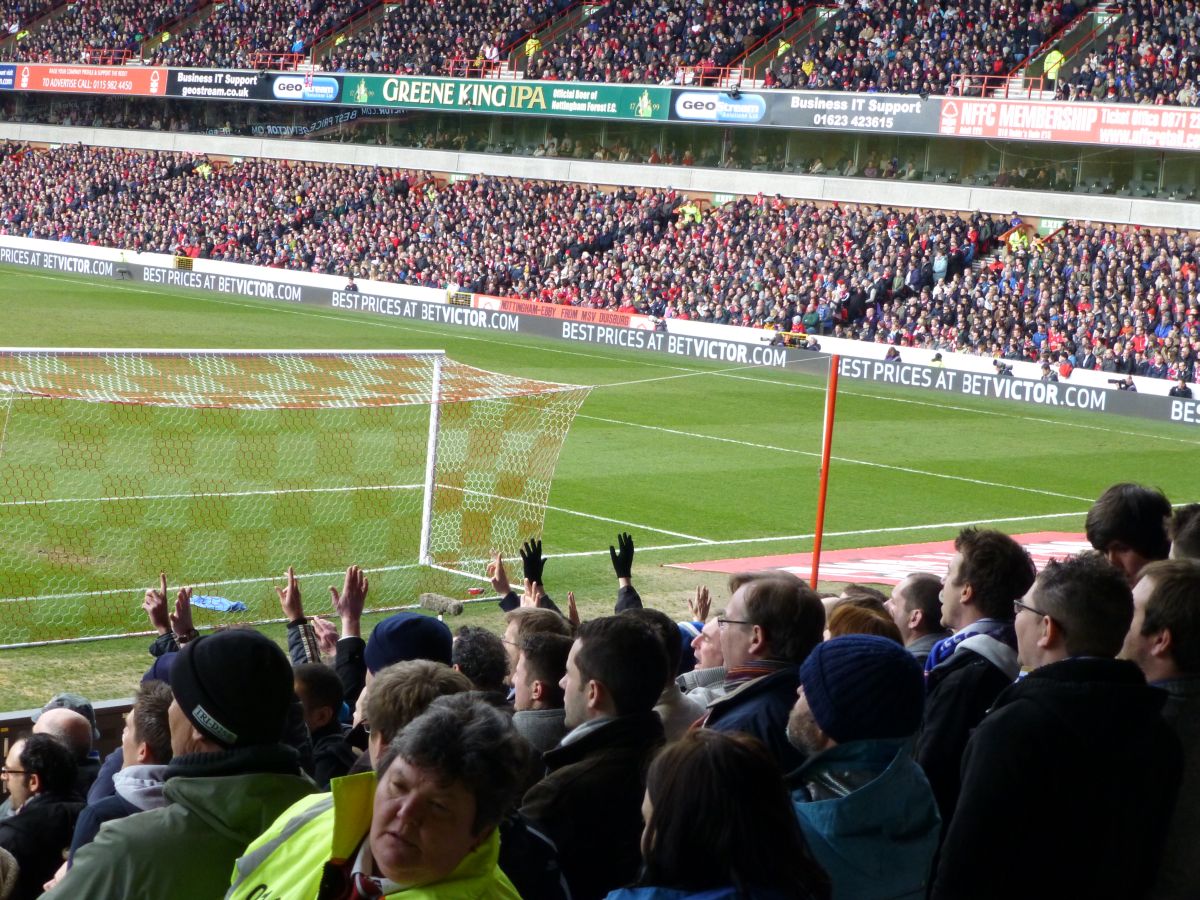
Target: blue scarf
x=944 y=649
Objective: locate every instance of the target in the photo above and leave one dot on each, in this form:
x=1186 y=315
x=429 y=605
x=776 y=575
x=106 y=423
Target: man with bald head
x=73 y=731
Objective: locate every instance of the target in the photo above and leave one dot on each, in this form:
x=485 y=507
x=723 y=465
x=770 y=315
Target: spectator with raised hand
x=303 y=645
x=229 y=777
x=175 y=627
x=706 y=682
x=533 y=564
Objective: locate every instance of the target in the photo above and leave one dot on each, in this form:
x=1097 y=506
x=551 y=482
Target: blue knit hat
x=863 y=687
x=408 y=635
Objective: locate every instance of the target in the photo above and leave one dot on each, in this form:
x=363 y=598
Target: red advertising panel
x=566 y=313
x=121 y=81
x=1110 y=124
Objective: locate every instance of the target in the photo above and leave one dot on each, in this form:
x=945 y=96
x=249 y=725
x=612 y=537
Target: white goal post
x=223 y=467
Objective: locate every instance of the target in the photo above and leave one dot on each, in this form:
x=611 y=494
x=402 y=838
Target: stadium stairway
x=1075 y=41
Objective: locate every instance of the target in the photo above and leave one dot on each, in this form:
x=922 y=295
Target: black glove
x=532 y=559
x=622 y=559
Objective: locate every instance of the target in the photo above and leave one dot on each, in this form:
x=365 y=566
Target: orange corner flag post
x=826 y=449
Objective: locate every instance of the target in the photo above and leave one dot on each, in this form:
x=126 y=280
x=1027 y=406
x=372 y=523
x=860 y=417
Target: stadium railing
x=1002 y=86
x=362 y=19
x=278 y=62
x=114 y=56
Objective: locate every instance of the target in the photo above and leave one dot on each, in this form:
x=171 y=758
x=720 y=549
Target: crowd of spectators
x=15 y=17
x=91 y=25
x=441 y=38
x=786 y=744
x=236 y=30
x=648 y=41
x=1126 y=300
x=921 y=46
x=1152 y=56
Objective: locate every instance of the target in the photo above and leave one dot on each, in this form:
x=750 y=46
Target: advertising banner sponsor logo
x=8 y=76
x=123 y=81
x=342 y=117
x=1110 y=124
x=596 y=101
x=310 y=89
x=532 y=318
x=565 y=313
x=707 y=106
x=821 y=111
x=224 y=84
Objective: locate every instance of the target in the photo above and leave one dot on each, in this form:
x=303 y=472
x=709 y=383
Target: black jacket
x=590 y=803
x=959 y=693
x=37 y=835
x=1068 y=787
x=332 y=754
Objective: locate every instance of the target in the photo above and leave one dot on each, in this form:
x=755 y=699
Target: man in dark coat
x=965 y=672
x=39 y=773
x=589 y=804
x=1164 y=640
x=771 y=624
x=1069 y=782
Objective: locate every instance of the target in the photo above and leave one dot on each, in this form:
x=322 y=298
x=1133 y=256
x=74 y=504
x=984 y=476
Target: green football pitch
x=696 y=460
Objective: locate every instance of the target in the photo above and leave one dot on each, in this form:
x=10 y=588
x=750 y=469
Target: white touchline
x=207 y=584
x=582 y=515
x=261 y=493
x=843 y=459
x=733 y=542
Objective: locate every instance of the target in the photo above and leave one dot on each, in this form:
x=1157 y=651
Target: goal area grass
x=696 y=460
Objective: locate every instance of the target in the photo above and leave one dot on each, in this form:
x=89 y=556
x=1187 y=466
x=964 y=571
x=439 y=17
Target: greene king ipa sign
x=595 y=101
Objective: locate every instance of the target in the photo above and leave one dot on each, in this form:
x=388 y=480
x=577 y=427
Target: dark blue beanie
x=863 y=687
x=405 y=636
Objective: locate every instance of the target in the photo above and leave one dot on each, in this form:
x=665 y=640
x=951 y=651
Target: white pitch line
x=206 y=584
x=734 y=542
x=262 y=493
x=582 y=515
x=842 y=459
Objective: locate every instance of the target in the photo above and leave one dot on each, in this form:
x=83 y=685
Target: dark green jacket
x=218 y=804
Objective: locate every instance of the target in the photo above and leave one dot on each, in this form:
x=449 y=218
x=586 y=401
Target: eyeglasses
x=5 y=770
x=721 y=623
x=1018 y=606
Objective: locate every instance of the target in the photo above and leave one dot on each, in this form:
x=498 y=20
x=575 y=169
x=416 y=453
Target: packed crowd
x=15 y=17
x=441 y=38
x=99 y=25
x=647 y=41
x=921 y=46
x=236 y=30
x=787 y=745
x=1153 y=56
x=1090 y=296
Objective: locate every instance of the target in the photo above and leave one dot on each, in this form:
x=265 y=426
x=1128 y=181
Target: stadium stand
x=916 y=46
x=909 y=278
x=649 y=41
x=235 y=32
x=434 y=38
x=91 y=25
x=1151 y=56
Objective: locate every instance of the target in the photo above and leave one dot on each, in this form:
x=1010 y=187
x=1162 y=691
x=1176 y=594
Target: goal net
x=223 y=468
